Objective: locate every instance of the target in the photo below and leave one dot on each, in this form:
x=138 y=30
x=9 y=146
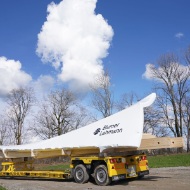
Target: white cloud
x=175 y=67
x=44 y=83
x=179 y=35
x=75 y=40
x=3 y=106
x=148 y=74
x=11 y=75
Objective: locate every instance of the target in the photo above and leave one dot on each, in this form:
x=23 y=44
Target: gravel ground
x=162 y=179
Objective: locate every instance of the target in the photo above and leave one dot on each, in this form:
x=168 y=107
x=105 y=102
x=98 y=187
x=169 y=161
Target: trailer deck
x=25 y=169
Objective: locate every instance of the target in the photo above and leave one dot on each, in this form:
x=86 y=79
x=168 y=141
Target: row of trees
x=61 y=111
x=172 y=85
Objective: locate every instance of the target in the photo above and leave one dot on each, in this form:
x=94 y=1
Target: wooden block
x=161 y=142
x=148 y=136
x=177 y=142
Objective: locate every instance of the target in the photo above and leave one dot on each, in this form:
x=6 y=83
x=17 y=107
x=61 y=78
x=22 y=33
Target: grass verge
x=2 y=188
x=169 y=160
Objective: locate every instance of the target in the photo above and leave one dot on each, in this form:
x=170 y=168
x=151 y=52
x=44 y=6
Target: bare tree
x=81 y=117
x=102 y=96
x=127 y=99
x=19 y=103
x=186 y=103
x=153 y=122
x=186 y=118
x=187 y=56
x=61 y=103
x=5 y=132
x=172 y=85
x=42 y=125
x=59 y=114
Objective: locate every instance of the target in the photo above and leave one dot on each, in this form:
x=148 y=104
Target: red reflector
x=143 y=157
x=113 y=160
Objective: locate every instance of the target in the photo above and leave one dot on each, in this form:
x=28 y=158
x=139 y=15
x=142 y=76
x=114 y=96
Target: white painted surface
x=123 y=129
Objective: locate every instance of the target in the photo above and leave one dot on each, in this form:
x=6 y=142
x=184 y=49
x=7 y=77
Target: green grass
x=169 y=160
x=2 y=188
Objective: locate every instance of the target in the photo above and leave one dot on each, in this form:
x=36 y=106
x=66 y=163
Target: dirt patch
x=161 y=178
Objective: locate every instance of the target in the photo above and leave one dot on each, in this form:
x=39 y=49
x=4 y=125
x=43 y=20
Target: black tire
x=141 y=177
x=80 y=174
x=101 y=175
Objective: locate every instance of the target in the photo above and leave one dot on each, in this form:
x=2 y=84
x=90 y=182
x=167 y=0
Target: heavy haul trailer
x=114 y=165
x=103 y=169
x=108 y=169
x=108 y=141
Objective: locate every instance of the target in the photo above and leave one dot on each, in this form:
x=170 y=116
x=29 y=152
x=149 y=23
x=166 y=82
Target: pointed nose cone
x=147 y=101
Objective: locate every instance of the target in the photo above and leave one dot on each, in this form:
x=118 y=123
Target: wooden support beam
x=161 y=142
x=148 y=136
x=177 y=142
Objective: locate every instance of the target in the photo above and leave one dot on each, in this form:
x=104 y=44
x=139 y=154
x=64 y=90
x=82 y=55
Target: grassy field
x=169 y=160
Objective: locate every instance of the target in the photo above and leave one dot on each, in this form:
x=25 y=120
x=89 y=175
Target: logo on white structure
x=108 y=129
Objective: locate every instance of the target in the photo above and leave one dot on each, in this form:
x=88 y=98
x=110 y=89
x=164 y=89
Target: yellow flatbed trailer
x=26 y=170
x=103 y=169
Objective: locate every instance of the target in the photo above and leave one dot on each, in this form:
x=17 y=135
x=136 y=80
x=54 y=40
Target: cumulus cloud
x=11 y=75
x=44 y=83
x=179 y=35
x=181 y=69
x=148 y=73
x=75 y=39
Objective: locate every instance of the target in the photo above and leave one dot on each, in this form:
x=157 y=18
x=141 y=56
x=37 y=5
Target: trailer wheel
x=80 y=174
x=141 y=177
x=101 y=175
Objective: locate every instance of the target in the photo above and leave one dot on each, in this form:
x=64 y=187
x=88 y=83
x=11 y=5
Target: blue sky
x=142 y=31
